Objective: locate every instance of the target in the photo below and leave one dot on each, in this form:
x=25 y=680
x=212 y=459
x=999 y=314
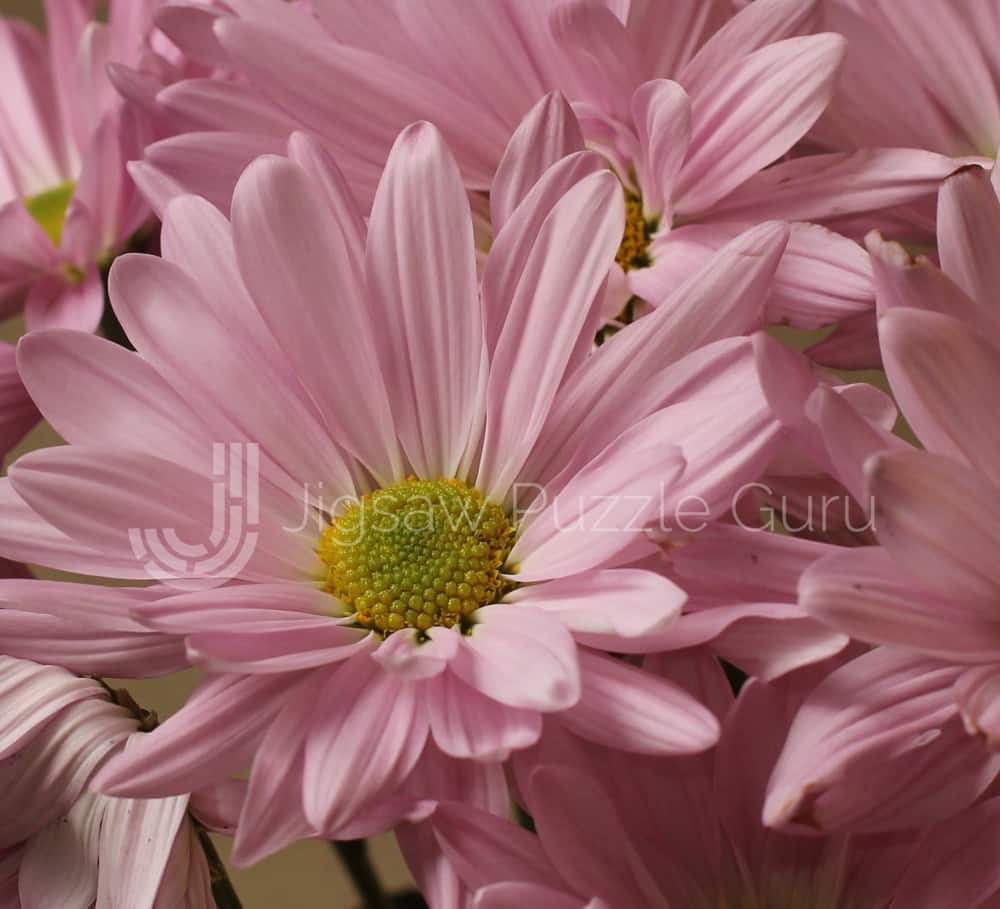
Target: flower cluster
x=466 y=391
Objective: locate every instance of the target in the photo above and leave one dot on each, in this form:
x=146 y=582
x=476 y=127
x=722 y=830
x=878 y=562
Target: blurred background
x=306 y=876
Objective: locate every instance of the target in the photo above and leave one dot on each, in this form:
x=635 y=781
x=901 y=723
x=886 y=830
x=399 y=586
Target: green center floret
x=49 y=209
x=416 y=554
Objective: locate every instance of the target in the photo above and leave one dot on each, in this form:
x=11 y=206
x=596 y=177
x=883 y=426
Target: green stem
x=222 y=888
x=354 y=855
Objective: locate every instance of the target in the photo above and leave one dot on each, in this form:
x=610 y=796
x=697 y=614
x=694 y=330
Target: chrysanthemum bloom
x=911 y=730
x=66 y=202
x=476 y=477
x=688 y=103
x=62 y=845
x=616 y=830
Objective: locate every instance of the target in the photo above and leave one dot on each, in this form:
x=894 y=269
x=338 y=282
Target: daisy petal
x=628 y=708
x=372 y=733
x=421 y=270
x=520 y=657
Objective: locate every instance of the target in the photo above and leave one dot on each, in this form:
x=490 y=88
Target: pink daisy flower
x=384 y=390
x=67 y=204
x=615 y=830
x=56 y=731
x=688 y=103
x=910 y=731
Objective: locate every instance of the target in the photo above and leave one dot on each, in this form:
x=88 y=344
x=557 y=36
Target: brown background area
x=305 y=876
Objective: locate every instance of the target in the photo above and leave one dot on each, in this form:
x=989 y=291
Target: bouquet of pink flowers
x=554 y=431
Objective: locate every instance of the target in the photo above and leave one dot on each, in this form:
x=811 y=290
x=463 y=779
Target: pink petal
x=520 y=657
x=212 y=104
x=293 y=244
x=205 y=741
x=968 y=215
x=96 y=392
x=610 y=868
x=513 y=245
x=615 y=604
x=631 y=376
x=32 y=695
x=42 y=780
x=411 y=657
x=818 y=187
x=871 y=597
x=630 y=709
x=59 y=304
x=28 y=537
x=204 y=164
x=922 y=351
x=372 y=733
x=666 y=37
x=514 y=853
x=273 y=815
x=141 y=836
x=538 y=339
x=334 y=94
x=70 y=847
x=954 y=863
x=599 y=55
x=516 y=895
x=107 y=498
x=27 y=251
x=468 y=724
x=204 y=352
x=18 y=412
x=754 y=27
x=662 y=113
x=603 y=507
x=878 y=745
x=421 y=269
x=771 y=99
x=32 y=137
x=976 y=691
x=547 y=134
x=938 y=518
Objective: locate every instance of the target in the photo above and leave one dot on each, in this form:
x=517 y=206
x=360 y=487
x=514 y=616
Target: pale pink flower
x=911 y=730
x=367 y=360
x=688 y=103
x=66 y=202
x=62 y=845
x=616 y=831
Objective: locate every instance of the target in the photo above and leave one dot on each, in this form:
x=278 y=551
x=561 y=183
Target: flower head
x=475 y=486
x=928 y=591
x=618 y=830
x=57 y=731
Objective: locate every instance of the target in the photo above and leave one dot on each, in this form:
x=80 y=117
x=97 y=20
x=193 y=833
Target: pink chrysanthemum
x=688 y=103
x=422 y=608
x=615 y=830
x=66 y=202
x=63 y=846
x=910 y=731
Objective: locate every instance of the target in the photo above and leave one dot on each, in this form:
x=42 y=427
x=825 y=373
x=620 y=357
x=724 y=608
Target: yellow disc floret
x=416 y=554
x=634 y=249
x=49 y=209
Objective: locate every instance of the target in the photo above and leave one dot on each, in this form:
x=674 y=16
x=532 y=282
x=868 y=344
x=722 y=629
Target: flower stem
x=222 y=888
x=354 y=855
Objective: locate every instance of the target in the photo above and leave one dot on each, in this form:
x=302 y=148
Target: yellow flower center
x=416 y=554
x=634 y=249
x=49 y=209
